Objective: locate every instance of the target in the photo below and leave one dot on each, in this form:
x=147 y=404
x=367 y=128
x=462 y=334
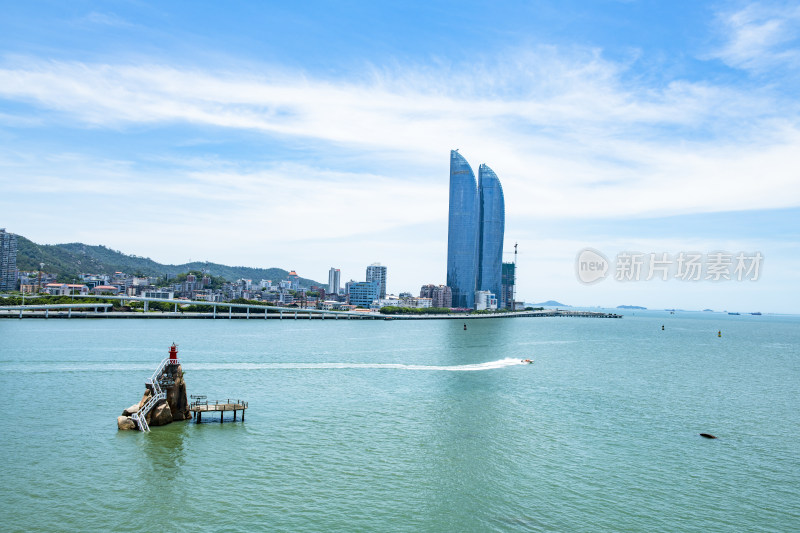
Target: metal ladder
x=158 y=394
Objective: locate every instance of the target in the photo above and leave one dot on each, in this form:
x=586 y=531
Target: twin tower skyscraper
x=475 y=232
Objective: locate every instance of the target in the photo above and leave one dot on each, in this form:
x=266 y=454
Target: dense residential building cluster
x=440 y=295
x=355 y=295
x=477 y=277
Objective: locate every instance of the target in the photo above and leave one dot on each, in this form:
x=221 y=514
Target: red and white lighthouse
x=173 y=354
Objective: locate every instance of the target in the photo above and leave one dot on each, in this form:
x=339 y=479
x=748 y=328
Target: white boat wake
x=501 y=363
x=116 y=367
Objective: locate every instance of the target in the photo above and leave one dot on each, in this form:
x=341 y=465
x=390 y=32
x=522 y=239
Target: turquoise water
x=409 y=426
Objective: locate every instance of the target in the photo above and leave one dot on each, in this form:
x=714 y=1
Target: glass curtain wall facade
x=475 y=232
x=362 y=293
x=462 y=249
x=490 y=236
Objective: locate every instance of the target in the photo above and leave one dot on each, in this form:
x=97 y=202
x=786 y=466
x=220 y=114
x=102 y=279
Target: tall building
x=377 y=272
x=462 y=245
x=476 y=225
x=362 y=293
x=8 y=261
x=490 y=231
x=508 y=282
x=334 y=280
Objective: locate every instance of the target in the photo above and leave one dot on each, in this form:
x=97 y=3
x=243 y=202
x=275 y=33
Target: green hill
x=69 y=260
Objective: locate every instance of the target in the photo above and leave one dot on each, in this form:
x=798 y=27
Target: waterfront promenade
x=230 y=311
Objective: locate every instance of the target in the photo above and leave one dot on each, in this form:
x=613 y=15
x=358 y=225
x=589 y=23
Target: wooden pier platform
x=201 y=406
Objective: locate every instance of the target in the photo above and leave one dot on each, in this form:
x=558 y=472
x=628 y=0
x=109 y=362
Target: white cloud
x=106 y=19
x=761 y=36
x=295 y=201
x=563 y=131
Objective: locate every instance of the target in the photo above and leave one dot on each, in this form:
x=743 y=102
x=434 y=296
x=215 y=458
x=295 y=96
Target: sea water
x=408 y=425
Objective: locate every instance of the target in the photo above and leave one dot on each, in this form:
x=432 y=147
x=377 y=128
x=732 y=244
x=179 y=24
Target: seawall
x=289 y=314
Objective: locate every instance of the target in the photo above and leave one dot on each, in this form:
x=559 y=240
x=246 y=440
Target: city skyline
x=303 y=137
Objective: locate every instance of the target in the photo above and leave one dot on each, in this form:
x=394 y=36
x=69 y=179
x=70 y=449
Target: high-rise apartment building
x=476 y=225
x=440 y=295
x=334 y=280
x=8 y=261
x=377 y=272
x=426 y=291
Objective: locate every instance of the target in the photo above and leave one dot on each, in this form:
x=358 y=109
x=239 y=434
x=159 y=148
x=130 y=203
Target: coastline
x=287 y=314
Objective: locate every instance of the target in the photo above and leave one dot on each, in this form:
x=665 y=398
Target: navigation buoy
x=465 y=327
x=662 y=327
x=719 y=333
x=708 y=435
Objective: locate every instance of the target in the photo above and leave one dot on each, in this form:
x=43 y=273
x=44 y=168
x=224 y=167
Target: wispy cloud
x=106 y=19
x=761 y=36
x=561 y=128
x=291 y=197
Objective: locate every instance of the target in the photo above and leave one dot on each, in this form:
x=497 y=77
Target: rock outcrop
x=125 y=422
x=173 y=409
x=160 y=415
x=177 y=398
x=132 y=409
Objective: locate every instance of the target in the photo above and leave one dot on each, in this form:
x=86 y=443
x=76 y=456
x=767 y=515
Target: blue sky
x=317 y=135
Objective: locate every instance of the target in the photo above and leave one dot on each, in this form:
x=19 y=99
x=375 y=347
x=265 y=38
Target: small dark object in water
x=465 y=327
x=662 y=327
x=708 y=435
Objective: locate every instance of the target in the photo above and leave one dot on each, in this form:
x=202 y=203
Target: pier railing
x=202 y=401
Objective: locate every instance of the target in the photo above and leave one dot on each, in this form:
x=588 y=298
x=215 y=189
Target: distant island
x=550 y=303
x=631 y=307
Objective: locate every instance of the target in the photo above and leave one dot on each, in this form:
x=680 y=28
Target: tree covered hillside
x=69 y=260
